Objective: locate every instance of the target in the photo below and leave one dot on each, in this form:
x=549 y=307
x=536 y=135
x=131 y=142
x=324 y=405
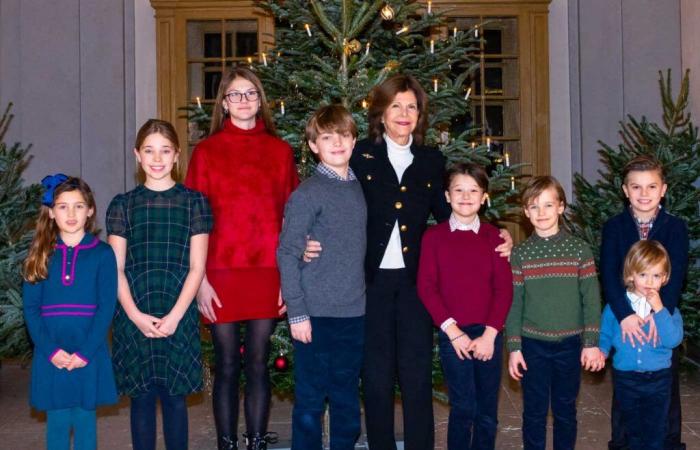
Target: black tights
x=227 y=372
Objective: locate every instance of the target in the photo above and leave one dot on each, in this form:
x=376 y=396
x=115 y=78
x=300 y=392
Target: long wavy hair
x=218 y=116
x=46 y=231
x=382 y=96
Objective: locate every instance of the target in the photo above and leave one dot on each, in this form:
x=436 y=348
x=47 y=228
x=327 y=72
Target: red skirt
x=245 y=294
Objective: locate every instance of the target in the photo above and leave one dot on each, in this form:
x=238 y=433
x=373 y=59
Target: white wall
x=559 y=94
x=68 y=68
x=611 y=52
x=145 y=61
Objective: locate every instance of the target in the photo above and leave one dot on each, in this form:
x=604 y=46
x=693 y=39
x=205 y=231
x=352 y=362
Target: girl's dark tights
x=143 y=420
x=227 y=371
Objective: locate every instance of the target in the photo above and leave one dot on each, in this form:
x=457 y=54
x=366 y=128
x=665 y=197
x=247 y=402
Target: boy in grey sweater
x=326 y=296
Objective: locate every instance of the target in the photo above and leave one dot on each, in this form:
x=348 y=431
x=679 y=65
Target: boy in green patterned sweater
x=555 y=312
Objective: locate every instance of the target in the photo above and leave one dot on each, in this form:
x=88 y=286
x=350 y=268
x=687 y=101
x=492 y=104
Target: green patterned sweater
x=555 y=291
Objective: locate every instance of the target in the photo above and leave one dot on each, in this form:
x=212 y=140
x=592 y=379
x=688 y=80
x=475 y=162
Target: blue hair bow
x=50 y=182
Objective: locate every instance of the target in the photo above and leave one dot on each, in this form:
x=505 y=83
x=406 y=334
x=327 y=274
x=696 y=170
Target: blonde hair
x=643 y=255
x=537 y=185
x=46 y=231
x=165 y=129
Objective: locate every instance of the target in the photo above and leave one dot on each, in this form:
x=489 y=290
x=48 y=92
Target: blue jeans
x=644 y=398
x=60 y=422
x=328 y=367
x=473 y=387
x=553 y=374
x=143 y=420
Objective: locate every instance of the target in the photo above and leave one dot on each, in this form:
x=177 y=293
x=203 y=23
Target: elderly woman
x=403 y=185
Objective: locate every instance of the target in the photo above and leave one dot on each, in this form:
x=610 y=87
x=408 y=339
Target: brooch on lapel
x=367 y=156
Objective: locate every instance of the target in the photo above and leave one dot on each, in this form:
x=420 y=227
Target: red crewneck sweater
x=461 y=276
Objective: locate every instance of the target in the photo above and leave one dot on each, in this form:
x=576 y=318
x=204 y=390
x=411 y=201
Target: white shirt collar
x=639 y=304
x=392 y=145
x=457 y=225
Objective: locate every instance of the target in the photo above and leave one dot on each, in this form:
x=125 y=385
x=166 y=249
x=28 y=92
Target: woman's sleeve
x=196 y=178
x=291 y=177
x=32 y=299
x=116 y=221
x=106 y=302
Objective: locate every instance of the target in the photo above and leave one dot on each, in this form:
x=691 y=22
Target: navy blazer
x=619 y=234
x=410 y=202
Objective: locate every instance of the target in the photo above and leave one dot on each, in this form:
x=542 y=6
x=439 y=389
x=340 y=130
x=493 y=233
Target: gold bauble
x=387 y=12
x=353 y=46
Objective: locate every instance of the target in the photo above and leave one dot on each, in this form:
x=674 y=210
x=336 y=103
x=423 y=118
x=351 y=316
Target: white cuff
x=444 y=325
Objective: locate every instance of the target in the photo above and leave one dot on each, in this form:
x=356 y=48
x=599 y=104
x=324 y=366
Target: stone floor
x=21 y=428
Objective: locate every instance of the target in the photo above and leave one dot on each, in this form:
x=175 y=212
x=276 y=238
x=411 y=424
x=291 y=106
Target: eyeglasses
x=237 y=97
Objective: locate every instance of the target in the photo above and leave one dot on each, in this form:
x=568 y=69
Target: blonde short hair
x=537 y=185
x=643 y=255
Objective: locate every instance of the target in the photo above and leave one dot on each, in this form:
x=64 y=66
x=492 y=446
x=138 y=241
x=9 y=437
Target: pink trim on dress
x=77 y=248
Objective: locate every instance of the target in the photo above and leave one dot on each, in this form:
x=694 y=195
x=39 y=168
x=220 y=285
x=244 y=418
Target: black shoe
x=227 y=443
x=256 y=441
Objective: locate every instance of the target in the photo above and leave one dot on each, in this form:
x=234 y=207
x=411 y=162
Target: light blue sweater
x=645 y=357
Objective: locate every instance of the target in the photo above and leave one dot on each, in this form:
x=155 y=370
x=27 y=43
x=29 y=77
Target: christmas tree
x=18 y=208
x=675 y=144
x=336 y=51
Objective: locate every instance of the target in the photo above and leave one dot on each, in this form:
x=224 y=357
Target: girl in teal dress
x=159 y=233
x=69 y=294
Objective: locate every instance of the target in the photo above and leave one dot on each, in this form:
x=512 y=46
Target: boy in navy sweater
x=642 y=373
x=644 y=218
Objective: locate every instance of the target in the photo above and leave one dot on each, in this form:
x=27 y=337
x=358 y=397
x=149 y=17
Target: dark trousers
x=328 y=367
x=398 y=341
x=473 y=387
x=553 y=375
x=618 y=439
x=143 y=420
x=643 y=399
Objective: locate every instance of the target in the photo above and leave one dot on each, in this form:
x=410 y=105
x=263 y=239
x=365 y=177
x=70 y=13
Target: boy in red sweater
x=467 y=289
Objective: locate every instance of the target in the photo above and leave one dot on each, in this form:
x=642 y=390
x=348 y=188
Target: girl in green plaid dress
x=159 y=232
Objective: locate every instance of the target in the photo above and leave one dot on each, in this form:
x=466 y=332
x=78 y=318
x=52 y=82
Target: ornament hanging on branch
x=387 y=12
x=281 y=362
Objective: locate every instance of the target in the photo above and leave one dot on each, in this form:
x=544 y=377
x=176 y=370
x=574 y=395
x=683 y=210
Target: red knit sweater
x=461 y=276
x=247 y=175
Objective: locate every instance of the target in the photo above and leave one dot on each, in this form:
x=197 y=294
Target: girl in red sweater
x=247 y=173
x=467 y=289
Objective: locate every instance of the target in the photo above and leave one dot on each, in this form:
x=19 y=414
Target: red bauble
x=242 y=349
x=281 y=363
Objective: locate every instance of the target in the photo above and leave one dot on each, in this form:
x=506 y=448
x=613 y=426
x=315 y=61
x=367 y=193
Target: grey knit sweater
x=334 y=213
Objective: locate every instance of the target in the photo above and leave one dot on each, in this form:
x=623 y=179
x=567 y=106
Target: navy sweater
x=619 y=234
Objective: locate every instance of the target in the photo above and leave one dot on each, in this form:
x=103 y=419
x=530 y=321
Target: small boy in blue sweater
x=326 y=296
x=642 y=373
x=644 y=217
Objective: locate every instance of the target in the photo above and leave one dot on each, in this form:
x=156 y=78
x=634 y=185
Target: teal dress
x=157 y=226
x=71 y=310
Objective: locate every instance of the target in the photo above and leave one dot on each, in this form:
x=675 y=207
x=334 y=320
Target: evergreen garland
x=675 y=144
x=19 y=206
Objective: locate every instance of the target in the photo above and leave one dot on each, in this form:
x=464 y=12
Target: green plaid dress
x=157 y=227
